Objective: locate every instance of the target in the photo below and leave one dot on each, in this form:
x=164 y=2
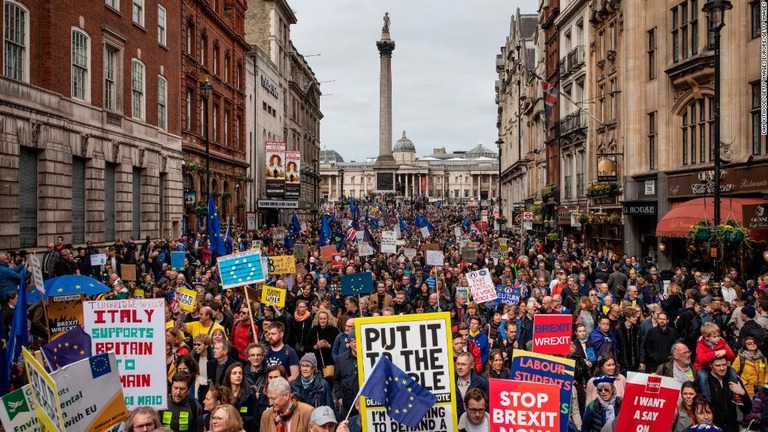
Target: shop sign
x=640 y=208
x=755 y=216
x=732 y=181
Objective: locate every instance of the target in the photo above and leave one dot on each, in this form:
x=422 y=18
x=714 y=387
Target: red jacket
x=473 y=349
x=705 y=354
x=241 y=336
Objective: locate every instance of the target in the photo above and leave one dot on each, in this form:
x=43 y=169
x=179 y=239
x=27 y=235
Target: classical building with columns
x=460 y=176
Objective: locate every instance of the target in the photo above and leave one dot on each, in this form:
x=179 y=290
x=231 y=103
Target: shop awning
x=679 y=219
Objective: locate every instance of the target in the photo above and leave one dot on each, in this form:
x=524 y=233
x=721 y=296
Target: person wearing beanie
x=311 y=388
x=751 y=328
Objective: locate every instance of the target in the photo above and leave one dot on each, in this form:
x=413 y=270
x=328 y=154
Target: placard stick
x=250 y=313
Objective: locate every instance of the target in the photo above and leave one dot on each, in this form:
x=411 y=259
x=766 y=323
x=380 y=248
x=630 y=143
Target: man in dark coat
x=345 y=383
x=658 y=343
x=629 y=339
x=722 y=391
x=467 y=379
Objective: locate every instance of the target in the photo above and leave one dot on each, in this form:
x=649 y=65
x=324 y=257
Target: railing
x=576 y=59
x=562 y=66
x=571 y=122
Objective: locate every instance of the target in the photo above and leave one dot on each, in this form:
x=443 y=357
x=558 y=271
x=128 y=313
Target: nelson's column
x=385 y=165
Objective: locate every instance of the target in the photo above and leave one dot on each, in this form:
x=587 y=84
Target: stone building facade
x=457 y=177
x=214 y=50
x=90 y=122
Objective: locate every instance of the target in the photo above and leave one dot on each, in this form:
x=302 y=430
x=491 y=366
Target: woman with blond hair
x=226 y=419
x=322 y=335
x=674 y=302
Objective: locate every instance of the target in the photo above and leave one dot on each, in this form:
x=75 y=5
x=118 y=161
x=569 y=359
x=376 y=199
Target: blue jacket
x=9 y=280
x=484 y=344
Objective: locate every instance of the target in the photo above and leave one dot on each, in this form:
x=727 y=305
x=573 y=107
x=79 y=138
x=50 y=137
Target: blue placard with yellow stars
x=356 y=283
x=240 y=269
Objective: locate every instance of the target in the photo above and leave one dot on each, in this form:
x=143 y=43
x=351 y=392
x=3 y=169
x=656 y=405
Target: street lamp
x=716 y=11
x=341 y=172
x=205 y=93
x=499 y=143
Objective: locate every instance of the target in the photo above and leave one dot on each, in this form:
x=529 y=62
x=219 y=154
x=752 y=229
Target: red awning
x=679 y=219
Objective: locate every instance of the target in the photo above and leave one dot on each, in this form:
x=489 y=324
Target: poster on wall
x=274 y=172
x=292 y=169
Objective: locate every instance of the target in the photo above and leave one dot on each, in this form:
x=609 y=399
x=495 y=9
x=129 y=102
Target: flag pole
x=360 y=390
x=250 y=313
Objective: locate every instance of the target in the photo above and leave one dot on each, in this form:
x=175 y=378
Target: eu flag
x=404 y=227
x=424 y=225
x=438 y=204
x=68 y=348
x=356 y=283
x=293 y=231
x=465 y=222
x=325 y=232
x=19 y=335
x=214 y=229
x=405 y=400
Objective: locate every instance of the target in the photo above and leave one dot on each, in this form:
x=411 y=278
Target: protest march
x=376 y=317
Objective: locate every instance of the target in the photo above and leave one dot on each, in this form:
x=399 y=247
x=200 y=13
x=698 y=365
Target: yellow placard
x=187 y=299
x=282 y=264
x=407 y=339
x=270 y=294
x=45 y=394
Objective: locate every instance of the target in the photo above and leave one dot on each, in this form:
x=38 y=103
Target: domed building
x=404 y=151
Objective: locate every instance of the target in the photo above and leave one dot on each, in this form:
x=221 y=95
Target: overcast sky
x=443 y=69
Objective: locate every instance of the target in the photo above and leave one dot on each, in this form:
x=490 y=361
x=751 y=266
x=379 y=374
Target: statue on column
x=385 y=29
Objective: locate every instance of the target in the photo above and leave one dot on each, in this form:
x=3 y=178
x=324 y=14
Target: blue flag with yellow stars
x=100 y=365
x=405 y=400
x=68 y=348
x=214 y=229
x=356 y=283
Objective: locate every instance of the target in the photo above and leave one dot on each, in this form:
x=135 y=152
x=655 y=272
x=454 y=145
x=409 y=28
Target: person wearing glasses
x=475 y=417
x=226 y=419
x=142 y=419
x=603 y=410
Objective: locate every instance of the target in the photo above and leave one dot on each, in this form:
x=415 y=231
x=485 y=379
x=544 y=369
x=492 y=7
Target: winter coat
x=247 y=406
x=598 y=338
x=594 y=416
x=705 y=354
x=657 y=347
x=629 y=346
x=751 y=371
x=317 y=393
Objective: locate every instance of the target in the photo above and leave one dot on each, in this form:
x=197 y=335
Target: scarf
x=474 y=334
x=751 y=355
x=609 y=407
x=305 y=382
x=301 y=318
x=282 y=419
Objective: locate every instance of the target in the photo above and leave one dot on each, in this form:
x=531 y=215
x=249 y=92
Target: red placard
x=524 y=406
x=653 y=400
x=552 y=333
x=336 y=261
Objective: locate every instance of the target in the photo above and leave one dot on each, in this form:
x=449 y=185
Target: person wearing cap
x=311 y=388
x=603 y=410
x=322 y=419
x=750 y=327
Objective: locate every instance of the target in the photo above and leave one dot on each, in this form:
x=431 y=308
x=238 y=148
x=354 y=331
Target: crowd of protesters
x=236 y=366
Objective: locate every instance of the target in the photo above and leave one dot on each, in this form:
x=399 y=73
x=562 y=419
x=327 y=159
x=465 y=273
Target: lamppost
x=205 y=93
x=499 y=143
x=341 y=195
x=716 y=11
x=316 y=188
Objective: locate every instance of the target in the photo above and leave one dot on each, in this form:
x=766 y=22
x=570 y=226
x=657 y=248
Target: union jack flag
x=550 y=98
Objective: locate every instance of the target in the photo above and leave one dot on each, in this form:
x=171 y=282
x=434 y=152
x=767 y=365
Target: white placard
x=457 y=232
x=410 y=253
x=135 y=330
x=388 y=242
x=481 y=286
x=366 y=249
x=98 y=259
x=435 y=258
x=37 y=273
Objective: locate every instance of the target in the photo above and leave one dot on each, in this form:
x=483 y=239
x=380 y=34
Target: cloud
x=443 y=69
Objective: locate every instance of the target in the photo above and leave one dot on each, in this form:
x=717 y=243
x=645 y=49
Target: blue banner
x=547 y=369
x=177 y=260
x=241 y=269
x=508 y=295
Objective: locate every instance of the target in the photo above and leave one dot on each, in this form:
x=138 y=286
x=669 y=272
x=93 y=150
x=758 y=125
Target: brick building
x=90 y=138
x=214 y=48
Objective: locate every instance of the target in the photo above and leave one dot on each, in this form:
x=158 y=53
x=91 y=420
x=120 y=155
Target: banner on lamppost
x=292 y=174
x=274 y=172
